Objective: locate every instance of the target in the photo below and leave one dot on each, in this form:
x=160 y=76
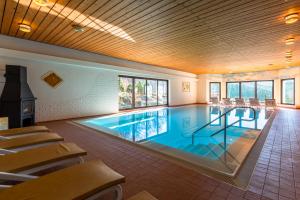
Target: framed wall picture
x=52 y=79
x=186 y=87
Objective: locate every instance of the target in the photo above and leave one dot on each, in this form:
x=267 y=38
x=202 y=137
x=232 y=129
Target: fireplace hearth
x=17 y=101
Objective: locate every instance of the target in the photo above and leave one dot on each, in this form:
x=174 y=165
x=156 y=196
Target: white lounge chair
x=30 y=141
x=215 y=101
x=89 y=180
x=16 y=132
x=253 y=102
x=38 y=159
x=226 y=102
x=270 y=103
x=240 y=102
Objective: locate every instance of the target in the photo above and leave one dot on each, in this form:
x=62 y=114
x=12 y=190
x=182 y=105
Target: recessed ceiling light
x=25 y=28
x=77 y=28
x=288 y=54
x=290 y=41
x=291 y=18
x=41 y=2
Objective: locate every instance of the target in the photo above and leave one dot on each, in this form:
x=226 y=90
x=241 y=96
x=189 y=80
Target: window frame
x=294 y=91
x=273 y=87
x=233 y=82
x=219 y=83
x=166 y=81
x=133 y=97
x=255 y=82
x=132 y=104
x=133 y=91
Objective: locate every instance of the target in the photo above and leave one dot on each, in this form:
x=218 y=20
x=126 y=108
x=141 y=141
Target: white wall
x=275 y=75
x=83 y=91
x=88 y=88
x=177 y=96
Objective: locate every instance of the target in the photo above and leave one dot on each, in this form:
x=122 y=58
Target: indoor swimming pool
x=175 y=132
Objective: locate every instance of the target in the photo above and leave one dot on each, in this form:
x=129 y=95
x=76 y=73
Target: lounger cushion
x=76 y=182
x=24 y=130
x=29 y=140
x=144 y=195
x=36 y=157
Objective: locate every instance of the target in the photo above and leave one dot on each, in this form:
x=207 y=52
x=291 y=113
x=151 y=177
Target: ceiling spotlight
x=41 y=2
x=25 y=28
x=291 y=18
x=290 y=41
x=288 y=54
x=77 y=28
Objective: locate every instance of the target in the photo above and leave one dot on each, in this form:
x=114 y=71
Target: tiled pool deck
x=276 y=176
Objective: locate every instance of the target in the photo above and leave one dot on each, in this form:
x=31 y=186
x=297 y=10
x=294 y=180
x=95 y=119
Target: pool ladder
x=225 y=123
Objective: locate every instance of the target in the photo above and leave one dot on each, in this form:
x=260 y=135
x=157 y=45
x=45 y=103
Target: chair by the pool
x=226 y=102
x=37 y=159
x=29 y=141
x=240 y=102
x=23 y=131
x=214 y=100
x=254 y=102
x=270 y=103
x=88 y=180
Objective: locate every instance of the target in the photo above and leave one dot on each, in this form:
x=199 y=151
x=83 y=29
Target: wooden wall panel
x=198 y=36
x=2 y=6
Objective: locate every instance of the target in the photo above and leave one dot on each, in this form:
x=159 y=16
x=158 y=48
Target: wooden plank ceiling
x=198 y=36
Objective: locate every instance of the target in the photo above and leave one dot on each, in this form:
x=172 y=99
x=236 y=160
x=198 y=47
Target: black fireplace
x=17 y=101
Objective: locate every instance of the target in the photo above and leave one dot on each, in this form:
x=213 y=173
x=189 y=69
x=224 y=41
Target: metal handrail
x=225 y=126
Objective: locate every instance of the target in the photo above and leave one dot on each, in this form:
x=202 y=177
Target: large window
x=250 y=89
x=140 y=92
x=125 y=92
x=215 y=90
x=233 y=90
x=265 y=90
x=151 y=92
x=162 y=92
x=288 y=91
x=136 y=92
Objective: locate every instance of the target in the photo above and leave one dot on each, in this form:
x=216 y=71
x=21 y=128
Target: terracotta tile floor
x=276 y=176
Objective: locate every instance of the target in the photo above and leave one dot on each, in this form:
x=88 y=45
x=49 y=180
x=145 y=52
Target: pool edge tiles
x=228 y=177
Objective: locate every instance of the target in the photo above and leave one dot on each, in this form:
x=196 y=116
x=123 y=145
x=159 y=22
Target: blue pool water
x=174 y=132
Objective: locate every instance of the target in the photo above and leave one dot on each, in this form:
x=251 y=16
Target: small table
x=3 y=123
